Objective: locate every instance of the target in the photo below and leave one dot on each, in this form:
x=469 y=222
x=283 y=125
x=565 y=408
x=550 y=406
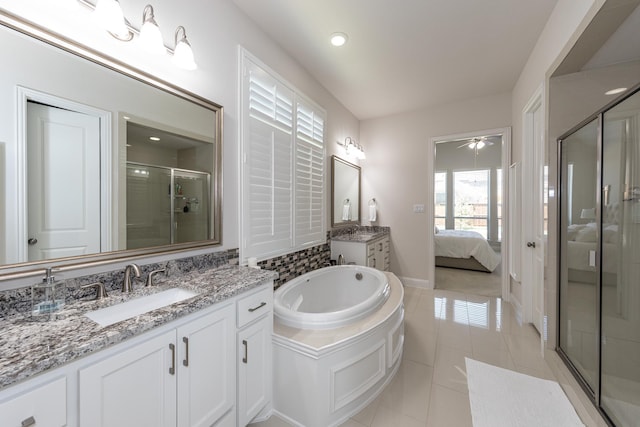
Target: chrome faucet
x=341 y=260
x=127 y=285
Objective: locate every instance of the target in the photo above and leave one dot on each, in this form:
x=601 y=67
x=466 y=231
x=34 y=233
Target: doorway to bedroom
x=468 y=214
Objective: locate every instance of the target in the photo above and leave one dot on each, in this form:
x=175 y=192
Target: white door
x=533 y=215
x=63 y=149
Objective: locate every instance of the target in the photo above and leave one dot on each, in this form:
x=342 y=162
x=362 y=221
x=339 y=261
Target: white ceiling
x=403 y=55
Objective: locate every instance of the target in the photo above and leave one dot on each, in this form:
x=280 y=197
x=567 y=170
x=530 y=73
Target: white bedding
x=466 y=244
x=582 y=240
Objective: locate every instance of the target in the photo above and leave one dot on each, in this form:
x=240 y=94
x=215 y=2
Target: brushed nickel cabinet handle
x=172 y=369
x=28 y=422
x=185 y=340
x=245 y=359
x=262 y=304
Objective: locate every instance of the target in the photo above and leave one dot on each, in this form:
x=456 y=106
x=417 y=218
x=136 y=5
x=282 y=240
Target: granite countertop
x=29 y=345
x=360 y=236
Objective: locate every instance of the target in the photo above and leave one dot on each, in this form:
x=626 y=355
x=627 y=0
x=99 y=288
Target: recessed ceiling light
x=154 y=138
x=126 y=117
x=338 y=39
x=615 y=91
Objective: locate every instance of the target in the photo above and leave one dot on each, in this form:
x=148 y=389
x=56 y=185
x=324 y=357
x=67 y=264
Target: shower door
x=578 y=248
x=166 y=205
x=599 y=325
x=620 y=352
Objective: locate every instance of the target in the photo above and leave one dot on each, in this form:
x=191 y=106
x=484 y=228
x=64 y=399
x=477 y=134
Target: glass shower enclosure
x=599 y=268
x=166 y=205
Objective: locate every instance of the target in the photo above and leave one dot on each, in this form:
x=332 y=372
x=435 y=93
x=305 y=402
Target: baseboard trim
x=416 y=283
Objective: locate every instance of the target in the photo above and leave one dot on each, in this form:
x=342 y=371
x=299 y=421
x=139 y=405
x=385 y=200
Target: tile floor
x=441 y=329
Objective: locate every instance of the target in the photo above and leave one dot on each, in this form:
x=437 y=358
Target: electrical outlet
x=418 y=208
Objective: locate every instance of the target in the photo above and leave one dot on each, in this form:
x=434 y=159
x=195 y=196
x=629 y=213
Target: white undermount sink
x=126 y=310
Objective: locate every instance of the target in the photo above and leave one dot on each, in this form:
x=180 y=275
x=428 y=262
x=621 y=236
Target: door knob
x=32 y=241
x=531 y=244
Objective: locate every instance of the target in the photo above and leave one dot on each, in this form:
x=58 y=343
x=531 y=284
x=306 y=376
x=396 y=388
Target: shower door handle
x=531 y=244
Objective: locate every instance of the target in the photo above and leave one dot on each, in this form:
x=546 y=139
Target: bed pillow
x=610 y=234
x=587 y=234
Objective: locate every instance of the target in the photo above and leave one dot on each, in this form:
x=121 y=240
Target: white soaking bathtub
x=330 y=297
x=335 y=349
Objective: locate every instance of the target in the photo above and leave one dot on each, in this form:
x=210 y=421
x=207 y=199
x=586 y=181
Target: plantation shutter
x=282 y=152
x=268 y=195
x=309 y=175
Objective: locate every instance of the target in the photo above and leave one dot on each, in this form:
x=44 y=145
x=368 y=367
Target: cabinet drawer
x=255 y=305
x=45 y=406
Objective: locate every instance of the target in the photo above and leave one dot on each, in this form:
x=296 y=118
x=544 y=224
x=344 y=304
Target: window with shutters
x=282 y=156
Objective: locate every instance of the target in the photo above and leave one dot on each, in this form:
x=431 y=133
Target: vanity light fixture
x=110 y=16
x=352 y=148
x=183 y=54
x=150 y=36
x=154 y=138
x=615 y=91
x=338 y=39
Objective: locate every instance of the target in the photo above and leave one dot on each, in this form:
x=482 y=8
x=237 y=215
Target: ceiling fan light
x=480 y=144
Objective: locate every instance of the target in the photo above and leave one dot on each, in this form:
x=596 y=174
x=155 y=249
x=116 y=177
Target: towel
x=346 y=212
x=372 y=213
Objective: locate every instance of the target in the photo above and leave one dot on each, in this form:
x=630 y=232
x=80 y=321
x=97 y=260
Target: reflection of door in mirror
x=168 y=187
x=63 y=186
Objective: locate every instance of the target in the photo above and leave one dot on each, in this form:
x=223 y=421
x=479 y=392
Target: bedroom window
x=441 y=200
x=471 y=200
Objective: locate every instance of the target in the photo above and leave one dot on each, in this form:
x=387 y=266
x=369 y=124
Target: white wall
x=567 y=21
x=394 y=172
x=215 y=30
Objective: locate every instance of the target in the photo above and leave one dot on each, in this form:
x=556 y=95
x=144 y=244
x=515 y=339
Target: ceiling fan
x=477 y=143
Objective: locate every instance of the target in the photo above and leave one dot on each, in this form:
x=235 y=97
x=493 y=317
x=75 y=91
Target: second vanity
x=202 y=361
x=370 y=248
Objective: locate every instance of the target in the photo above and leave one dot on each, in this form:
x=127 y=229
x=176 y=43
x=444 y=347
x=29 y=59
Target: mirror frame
x=335 y=159
x=26 y=269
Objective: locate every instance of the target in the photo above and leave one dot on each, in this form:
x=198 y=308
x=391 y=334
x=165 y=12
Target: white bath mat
x=500 y=397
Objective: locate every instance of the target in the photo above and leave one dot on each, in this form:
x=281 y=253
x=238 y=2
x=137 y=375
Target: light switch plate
x=418 y=208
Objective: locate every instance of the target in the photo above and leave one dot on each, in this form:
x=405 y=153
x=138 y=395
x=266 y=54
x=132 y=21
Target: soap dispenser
x=48 y=296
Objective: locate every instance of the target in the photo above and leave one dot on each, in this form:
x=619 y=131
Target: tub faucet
x=341 y=259
x=126 y=284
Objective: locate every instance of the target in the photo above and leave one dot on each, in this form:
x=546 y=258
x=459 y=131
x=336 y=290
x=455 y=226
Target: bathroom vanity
x=371 y=249
x=202 y=361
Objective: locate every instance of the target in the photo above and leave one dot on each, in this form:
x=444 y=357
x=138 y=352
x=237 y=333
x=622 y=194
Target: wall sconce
x=150 y=36
x=183 y=55
x=110 y=15
x=352 y=148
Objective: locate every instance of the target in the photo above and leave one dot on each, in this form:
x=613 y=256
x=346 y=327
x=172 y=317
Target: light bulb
x=109 y=15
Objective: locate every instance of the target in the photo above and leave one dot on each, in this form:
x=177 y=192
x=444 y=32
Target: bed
x=581 y=248
x=466 y=250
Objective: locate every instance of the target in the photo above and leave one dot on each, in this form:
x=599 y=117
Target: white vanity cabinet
x=255 y=327
x=373 y=253
x=184 y=377
x=44 y=405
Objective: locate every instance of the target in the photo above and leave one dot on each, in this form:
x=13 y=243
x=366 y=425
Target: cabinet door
x=206 y=368
x=132 y=388
x=254 y=369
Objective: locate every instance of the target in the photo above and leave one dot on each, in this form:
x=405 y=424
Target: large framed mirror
x=345 y=192
x=99 y=161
